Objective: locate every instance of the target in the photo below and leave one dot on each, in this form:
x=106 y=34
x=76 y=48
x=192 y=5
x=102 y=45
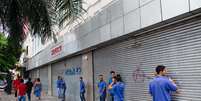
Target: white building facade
x=130 y=37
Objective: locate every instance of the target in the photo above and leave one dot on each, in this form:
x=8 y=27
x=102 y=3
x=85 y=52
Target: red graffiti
x=139 y=75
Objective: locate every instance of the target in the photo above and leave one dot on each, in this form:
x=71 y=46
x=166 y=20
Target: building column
x=38 y=73
x=87 y=73
x=50 y=80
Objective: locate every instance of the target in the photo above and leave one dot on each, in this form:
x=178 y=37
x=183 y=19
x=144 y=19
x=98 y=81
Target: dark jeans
x=102 y=97
x=111 y=97
x=15 y=93
x=82 y=97
x=63 y=95
x=29 y=96
x=22 y=98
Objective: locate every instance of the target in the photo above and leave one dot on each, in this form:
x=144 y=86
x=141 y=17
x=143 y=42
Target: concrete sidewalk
x=5 y=97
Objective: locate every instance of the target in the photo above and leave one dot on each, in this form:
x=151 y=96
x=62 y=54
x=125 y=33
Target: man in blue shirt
x=111 y=95
x=102 y=88
x=63 y=87
x=118 y=88
x=59 y=87
x=161 y=86
x=82 y=89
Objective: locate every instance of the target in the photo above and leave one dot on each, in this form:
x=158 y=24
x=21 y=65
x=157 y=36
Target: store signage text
x=56 y=50
x=73 y=71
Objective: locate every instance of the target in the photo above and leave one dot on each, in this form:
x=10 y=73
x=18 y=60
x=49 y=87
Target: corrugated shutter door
x=102 y=65
x=72 y=80
x=57 y=70
x=44 y=79
x=33 y=74
x=178 y=47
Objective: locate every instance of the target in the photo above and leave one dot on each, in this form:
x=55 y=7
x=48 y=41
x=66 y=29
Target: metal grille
x=57 y=70
x=33 y=74
x=178 y=47
x=44 y=78
x=72 y=80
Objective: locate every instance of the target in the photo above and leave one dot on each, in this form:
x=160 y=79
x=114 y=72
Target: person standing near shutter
x=102 y=88
x=111 y=95
x=118 y=88
x=161 y=86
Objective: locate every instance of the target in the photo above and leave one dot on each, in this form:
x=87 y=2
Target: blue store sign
x=73 y=71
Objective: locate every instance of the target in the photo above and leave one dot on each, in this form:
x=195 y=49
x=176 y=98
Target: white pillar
x=87 y=73
x=50 y=80
x=38 y=73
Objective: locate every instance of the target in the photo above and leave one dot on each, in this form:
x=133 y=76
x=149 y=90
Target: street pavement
x=5 y=97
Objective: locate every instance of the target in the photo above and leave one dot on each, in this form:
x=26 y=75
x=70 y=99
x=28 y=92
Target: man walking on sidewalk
x=22 y=91
x=161 y=86
x=63 y=87
x=82 y=90
x=16 y=83
x=59 y=88
x=29 y=85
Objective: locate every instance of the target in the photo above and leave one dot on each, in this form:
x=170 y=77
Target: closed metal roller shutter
x=178 y=47
x=33 y=74
x=44 y=78
x=69 y=69
x=72 y=78
x=57 y=70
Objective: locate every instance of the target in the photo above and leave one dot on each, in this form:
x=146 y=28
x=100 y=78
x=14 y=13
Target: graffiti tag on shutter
x=139 y=75
x=73 y=71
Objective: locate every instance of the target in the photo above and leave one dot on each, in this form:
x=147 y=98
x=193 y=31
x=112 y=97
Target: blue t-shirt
x=109 y=82
x=63 y=84
x=118 y=91
x=59 y=82
x=160 y=88
x=82 y=86
x=102 y=88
